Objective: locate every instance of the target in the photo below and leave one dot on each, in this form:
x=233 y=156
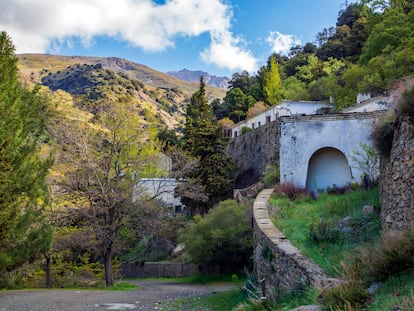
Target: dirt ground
x=149 y=296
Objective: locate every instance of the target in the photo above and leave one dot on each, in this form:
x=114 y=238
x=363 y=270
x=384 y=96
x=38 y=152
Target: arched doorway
x=327 y=167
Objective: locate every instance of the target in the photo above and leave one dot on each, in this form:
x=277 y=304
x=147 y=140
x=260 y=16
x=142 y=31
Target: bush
x=406 y=105
x=222 y=238
x=350 y=295
x=271 y=175
x=395 y=254
x=291 y=191
x=383 y=136
x=246 y=129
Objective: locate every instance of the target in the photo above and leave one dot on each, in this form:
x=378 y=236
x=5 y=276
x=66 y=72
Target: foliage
x=271 y=175
x=223 y=237
x=406 y=105
x=367 y=160
x=256 y=109
x=383 y=136
x=312 y=225
x=350 y=295
x=291 y=191
x=100 y=163
x=24 y=233
x=225 y=300
x=272 y=83
x=212 y=174
x=393 y=255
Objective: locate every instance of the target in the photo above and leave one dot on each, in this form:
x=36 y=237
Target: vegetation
x=202 y=139
x=329 y=227
x=25 y=233
x=222 y=238
x=369 y=49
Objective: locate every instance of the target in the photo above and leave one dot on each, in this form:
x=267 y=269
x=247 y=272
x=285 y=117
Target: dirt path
x=148 y=296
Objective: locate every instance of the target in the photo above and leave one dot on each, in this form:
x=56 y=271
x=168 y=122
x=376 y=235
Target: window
x=268 y=119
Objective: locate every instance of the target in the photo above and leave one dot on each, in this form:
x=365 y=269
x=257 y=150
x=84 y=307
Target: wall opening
x=328 y=167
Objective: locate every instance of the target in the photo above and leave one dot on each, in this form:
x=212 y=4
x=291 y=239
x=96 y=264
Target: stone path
x=148 y=296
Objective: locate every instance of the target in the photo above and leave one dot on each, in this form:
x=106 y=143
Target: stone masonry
x=397 y=180
x=279 y=265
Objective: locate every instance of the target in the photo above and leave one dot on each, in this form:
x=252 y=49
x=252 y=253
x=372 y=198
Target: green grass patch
x=326 y=228
x=123 y=286
x=223 y=301
x=397 y=293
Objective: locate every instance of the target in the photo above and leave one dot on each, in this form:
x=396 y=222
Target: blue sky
x=217 y=36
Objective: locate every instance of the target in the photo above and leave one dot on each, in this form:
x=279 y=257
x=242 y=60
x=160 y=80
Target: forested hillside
x=367 y=51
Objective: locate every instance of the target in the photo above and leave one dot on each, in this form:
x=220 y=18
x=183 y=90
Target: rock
x=344 y=223
x=308 y=308
x=368 y=209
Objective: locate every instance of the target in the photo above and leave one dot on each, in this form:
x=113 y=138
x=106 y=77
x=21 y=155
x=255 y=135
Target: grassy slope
x=299 y=219
x=30 y=65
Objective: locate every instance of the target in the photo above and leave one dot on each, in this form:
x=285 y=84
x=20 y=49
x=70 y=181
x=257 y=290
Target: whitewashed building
x=286 y=108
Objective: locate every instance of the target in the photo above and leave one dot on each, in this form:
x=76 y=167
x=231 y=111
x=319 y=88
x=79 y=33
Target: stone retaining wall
x=397 y=180
x=279 y=264
x=158 y=269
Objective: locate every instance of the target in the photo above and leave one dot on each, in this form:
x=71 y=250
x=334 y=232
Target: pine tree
x=24 y=231
x=202 y=140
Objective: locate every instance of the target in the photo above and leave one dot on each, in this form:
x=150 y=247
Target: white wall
x=286 y=108
x=159 y=188
x=301 y=137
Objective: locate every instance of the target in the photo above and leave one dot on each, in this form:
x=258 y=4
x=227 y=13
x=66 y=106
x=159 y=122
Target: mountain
x=194 y=76
x=94 y=81
x=34 y=66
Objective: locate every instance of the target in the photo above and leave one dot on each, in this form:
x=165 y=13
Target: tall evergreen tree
x=202 y=140
x=272 y=85
x=24 y=231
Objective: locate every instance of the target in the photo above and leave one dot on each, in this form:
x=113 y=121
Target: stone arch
x=327 y=167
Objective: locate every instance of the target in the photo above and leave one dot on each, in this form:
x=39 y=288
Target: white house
x=286 y=108
x=161 y=189
x=371 y=104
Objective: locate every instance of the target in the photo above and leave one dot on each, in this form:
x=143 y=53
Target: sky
x=220 y=37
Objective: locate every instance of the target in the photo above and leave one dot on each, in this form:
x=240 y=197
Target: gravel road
x=148 y=296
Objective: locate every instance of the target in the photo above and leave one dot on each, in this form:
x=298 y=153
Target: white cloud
x=281 y=43
x=44 y=25
x=226 y=52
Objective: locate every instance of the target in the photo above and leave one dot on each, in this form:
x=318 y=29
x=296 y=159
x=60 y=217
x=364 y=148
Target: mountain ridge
x=194 y=76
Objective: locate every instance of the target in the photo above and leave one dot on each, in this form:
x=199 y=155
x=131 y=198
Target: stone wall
x=255 y=149
x=397 y=180
x=158 y=269
x=279 y=265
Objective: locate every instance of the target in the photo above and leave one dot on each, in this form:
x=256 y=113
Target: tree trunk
x=48 y=269
x=108 y=269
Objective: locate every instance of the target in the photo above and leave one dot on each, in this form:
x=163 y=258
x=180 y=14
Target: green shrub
x=383 y=136
x=395 y=254
x=291 y=191
x=271 y=175
x=406 y=105
x=350 y=295
x=222 y=238
x=246 y=129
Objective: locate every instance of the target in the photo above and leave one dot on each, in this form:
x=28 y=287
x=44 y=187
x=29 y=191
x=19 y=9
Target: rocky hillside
x=93 y=80
x=34 y=66
x=194 y=76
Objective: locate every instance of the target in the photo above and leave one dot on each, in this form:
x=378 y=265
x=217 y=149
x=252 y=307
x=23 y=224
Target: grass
x=123 y=286
x=222 y=301
x=314 y=226
x=397 y=291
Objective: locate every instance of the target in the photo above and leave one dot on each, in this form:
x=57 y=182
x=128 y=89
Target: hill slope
x=34 y=66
